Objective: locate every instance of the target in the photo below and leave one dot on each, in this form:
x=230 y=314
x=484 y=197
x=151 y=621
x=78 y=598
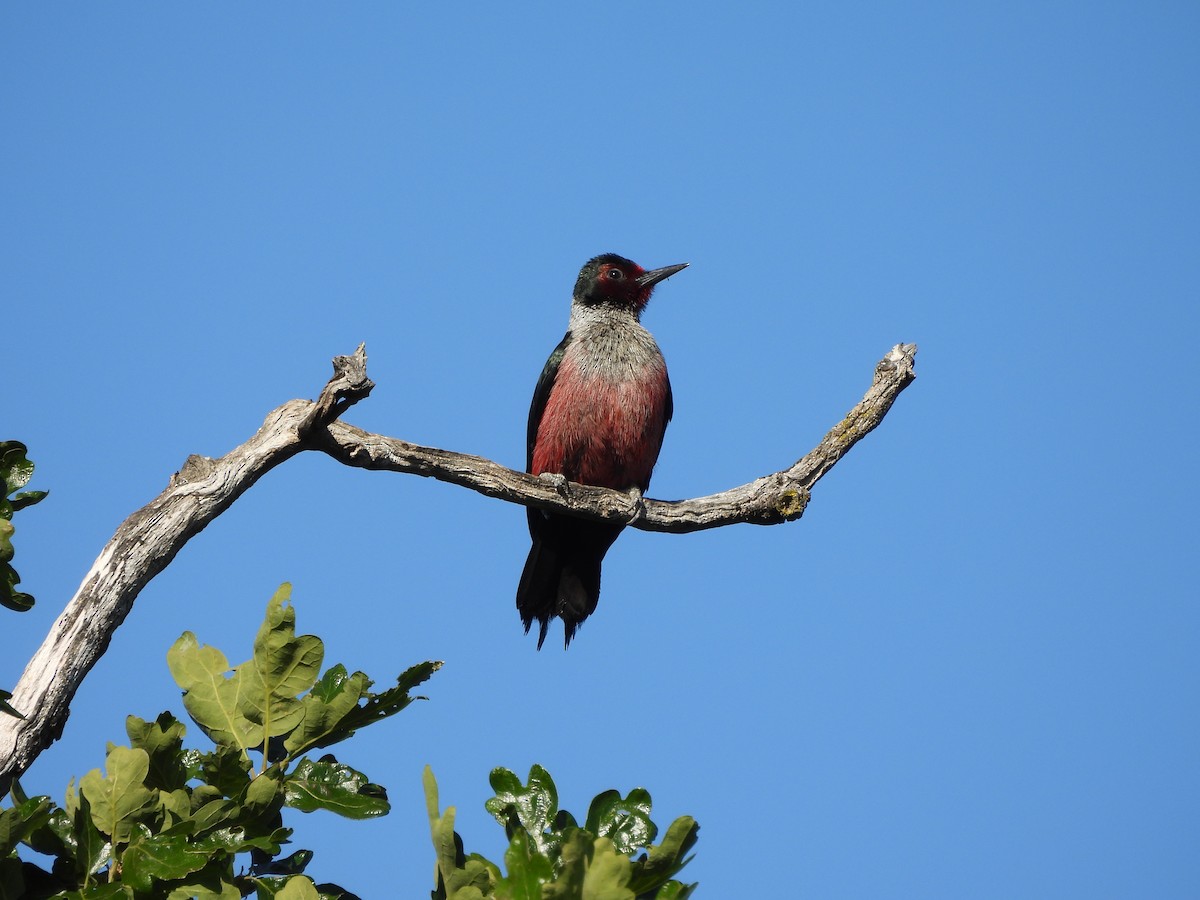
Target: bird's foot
x=556 y=480
x=639 y=505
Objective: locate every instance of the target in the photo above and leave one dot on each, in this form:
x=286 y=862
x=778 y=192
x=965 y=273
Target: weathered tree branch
x=141 y=548
x=770 y=500
x=204 y=488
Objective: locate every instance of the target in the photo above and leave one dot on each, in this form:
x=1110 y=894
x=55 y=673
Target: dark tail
x=562 y=574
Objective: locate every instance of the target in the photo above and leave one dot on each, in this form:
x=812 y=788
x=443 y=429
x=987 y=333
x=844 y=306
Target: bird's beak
x=654 y=276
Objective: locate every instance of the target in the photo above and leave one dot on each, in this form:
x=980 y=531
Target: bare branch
x=204 y=488
x=141 y=548
x=776 y=498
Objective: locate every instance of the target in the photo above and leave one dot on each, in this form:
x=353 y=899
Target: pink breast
x=595 y=431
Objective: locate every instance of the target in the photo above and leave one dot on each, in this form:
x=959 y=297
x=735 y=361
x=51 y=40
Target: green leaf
x=331 y=891
x=5 y=696
x=176 y=809
x=6 y=548
x=214 y=882
x=227 y=769
x=92 y=851
x=149 y=858
x=607 y=874
x=56 y=837
x=114 y=891
x=674 y=890
x=263 y=794
x=294 y=864
x=328 y=784
x=332 y=683
x=17 y=792
x=331 y=700
x=10 y=597
x=215 y=814
x=527 y=870
x=624 y=821
x=213 y=701
x=14 y=600
x=667 y=858
x=533 y=807
x=27 y=498
x=283 y=667
x=459 y=877
x=572 y=866
x=15 y=468
x=299 y=887
x=71 y=800
x=380 y=706
x=20 y=820
x=119 y=798
x=269 y=886
x=15 y=472
x=238 y=840
x=162 y=740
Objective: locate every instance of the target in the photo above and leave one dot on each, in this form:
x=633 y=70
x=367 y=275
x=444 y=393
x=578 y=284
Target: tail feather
x=561 y=577
x=538 y=588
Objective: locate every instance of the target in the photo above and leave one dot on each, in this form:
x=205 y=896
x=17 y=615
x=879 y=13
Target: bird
x=598 y=416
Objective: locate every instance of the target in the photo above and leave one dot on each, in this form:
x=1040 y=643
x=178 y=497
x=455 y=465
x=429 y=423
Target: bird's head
x=617 y=281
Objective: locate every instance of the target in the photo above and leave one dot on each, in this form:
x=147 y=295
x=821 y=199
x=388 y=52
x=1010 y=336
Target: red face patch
x=618 y=281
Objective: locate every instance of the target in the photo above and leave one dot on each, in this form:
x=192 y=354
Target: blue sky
x=969 y=670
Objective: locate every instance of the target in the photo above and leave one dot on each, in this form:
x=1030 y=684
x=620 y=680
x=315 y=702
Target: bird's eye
x=615 y=274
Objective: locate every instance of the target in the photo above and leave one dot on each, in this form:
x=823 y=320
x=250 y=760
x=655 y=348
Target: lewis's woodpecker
x=598 y=416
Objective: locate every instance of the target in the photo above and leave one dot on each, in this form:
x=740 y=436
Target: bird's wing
x=541 y=394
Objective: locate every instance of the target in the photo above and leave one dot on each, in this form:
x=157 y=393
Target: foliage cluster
x=16 y=470
x=163 y=822
x=551 y=857
x=166 y=822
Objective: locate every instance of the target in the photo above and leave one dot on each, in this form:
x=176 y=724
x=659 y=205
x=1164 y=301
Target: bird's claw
x=556 y=480
x=639 y=504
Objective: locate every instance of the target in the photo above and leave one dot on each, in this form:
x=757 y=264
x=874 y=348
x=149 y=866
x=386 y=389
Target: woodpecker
x=598 y=416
